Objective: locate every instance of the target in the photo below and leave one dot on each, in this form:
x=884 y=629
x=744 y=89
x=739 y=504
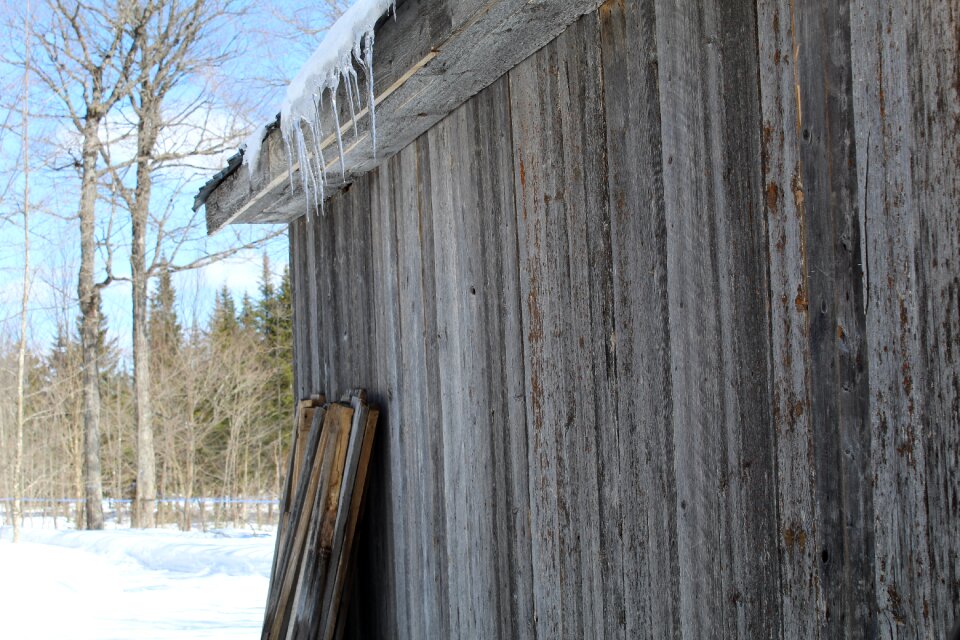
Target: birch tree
x=88 y=62
x=25 y=296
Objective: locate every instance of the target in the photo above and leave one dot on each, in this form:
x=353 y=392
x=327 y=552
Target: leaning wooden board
x=330 y=456
x=303 y=421
x=335 y=602
x=316 y=553
x=289 y=558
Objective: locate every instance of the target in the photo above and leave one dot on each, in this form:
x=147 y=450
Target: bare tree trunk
x=25 y=298
x=90 y=328
x=185 y=523
x=146 y=456
x=76 y=495
x=118 y=458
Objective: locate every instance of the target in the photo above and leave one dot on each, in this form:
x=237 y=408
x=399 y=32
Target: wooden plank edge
x=338 y=602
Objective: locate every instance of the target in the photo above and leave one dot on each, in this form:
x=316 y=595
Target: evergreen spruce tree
x=248 y=315
x=164 y=331
x=223 y=322
x=266 y=308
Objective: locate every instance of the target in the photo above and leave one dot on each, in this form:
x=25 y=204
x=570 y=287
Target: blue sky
x=274 y=40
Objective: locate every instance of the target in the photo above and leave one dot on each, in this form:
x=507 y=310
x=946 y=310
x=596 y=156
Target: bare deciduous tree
x=174 y=46
x=25 y=296
x=89 y=63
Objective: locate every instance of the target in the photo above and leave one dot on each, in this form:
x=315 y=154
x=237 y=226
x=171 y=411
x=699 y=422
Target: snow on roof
x=349 y=39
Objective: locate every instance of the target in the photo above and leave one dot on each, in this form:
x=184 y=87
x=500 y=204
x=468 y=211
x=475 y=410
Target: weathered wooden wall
x=665 y=325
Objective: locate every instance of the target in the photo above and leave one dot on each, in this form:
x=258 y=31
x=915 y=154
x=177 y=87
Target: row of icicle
x=304 y=106
x=313 y=170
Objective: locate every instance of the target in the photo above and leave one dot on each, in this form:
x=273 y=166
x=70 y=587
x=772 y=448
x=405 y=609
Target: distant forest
x=221 y=389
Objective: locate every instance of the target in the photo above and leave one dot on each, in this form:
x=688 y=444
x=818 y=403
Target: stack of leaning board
x=312 y=564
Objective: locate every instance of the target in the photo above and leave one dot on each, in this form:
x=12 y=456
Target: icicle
x=251 y=148
x=372 y=107
x=356 y=80
x=311 y=179
x=348 y=45
x=317 y=125
x=285 y=134
x=356 y=93
x=313 y=175
x=316 y=131
x=304 y=168
x=353 y=111
x=336 y=121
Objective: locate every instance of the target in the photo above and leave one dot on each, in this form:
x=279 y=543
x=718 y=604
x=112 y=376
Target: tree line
x=222 y=389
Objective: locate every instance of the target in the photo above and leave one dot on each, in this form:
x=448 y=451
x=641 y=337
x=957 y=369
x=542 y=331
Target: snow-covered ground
x=124 y=584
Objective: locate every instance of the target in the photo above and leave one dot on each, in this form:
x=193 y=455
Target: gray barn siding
x=665 y=326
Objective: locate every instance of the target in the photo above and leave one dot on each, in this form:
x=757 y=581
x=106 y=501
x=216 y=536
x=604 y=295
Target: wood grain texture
x=335 y=592
x=566 y=286
x=288 y=558
x=664 y=324
x=500 y=339
x=638 y=497
x=891 y=218
x=693 y=296
x=385 y=481
x=716 y=251
x=839 y=387
x=468 y=485
x=784 y=206
x=933 y=39
x=307 y=605
x=302 y=356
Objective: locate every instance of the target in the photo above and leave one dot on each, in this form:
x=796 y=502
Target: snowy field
x=125 y=584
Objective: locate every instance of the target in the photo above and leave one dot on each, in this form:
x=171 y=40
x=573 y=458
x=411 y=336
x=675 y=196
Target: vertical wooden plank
x=716 y=274
x=800 y=561
x=307 y=602
x=351 y=509
x=592 y=338
x=750 y=575
x=566 y=281
x=300 y=318
x=890 y=220
x=839 y=384
x=502 y=384
x=691 y=210
x=292 y=241
x=473 y=231
x=360 y=278
x=342 y=367
x=414 y=400
x=313 y=314
x=538 y=171
x=392 y=430
x=638 y=489
x=933 y=39
x=451 y=204
x=326 y=327
x=282 y=591
x=456 y=205
x=381 y=538
x=431 y=436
